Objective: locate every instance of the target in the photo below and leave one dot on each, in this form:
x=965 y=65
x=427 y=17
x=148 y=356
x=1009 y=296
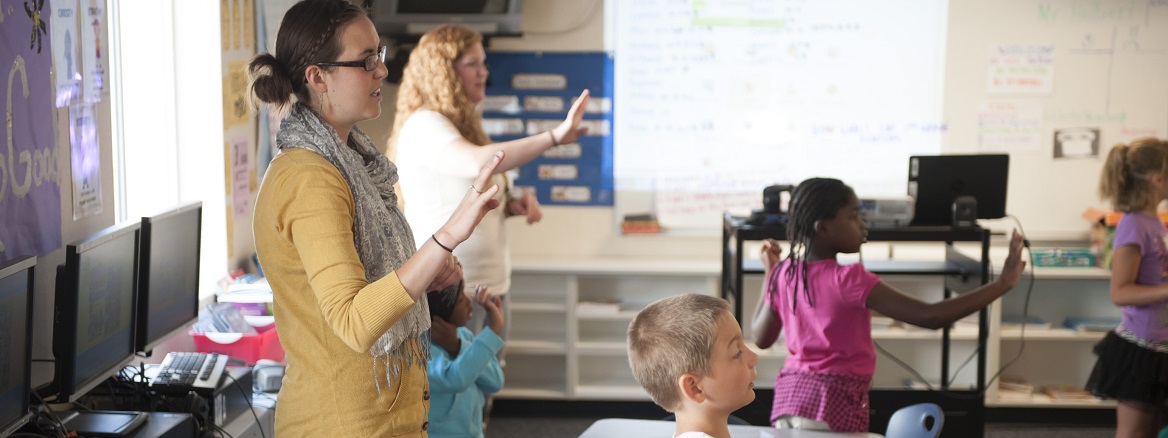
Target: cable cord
x=250 y=407
x=57 y=424
x=1025 y=304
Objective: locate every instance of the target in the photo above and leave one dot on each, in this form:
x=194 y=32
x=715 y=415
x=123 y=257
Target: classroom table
x=613 y=427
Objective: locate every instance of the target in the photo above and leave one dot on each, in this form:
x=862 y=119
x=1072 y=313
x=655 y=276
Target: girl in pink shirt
x=826 y=310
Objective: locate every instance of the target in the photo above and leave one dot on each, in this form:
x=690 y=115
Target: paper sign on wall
x=1021 y=68
x=1009 y=126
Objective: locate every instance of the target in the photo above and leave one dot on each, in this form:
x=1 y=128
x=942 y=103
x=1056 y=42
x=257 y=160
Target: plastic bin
x=248 y=348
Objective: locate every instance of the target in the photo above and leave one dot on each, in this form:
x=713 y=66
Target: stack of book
x=1015 y=388
x=1086 y=324
x=1067 y=392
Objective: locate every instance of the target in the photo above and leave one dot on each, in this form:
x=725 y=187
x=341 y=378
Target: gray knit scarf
x=382 y=236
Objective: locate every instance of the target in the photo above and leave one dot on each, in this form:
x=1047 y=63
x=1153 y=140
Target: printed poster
x=94 y=62
x=1021 y=68
x=1009 y=126
x=30 y=193
x=66 y=52
x=85 y=156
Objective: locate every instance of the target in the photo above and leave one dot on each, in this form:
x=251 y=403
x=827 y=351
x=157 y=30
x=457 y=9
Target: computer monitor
x=935 y=181
x=15 y=343
x=168 y=274
x=93 y=330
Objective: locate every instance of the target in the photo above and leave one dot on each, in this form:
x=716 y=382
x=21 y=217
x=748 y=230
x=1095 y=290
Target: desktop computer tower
x=231 y=398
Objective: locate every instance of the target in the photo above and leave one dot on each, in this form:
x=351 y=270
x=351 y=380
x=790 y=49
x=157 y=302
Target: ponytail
x=1125 y=170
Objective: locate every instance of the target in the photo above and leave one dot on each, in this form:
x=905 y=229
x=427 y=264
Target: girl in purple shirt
x=824 y=310
x=1133 y=359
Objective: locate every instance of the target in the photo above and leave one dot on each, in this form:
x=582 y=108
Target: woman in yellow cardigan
x=336 y=249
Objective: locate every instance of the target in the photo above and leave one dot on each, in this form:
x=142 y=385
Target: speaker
x=965 y=212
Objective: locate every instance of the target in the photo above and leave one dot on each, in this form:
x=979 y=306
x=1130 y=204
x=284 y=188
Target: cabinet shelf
x=611 y=392
x=896 y=333
x=1044 y=401
x=602 y=348
x=531 y=393
x=534 y=307
x=1051 y=334
x=623 y=315
x=535 y=347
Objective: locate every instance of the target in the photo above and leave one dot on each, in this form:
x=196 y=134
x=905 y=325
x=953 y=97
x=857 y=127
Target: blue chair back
x=923 y=420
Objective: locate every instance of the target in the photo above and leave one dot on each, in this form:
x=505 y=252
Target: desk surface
x=610 y=427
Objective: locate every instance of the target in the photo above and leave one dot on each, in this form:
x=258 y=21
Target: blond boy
x=687 y=351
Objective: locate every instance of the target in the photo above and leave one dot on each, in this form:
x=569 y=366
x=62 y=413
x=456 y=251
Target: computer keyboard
x=186 y=371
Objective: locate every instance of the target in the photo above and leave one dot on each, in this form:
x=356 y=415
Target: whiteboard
x=716 y=100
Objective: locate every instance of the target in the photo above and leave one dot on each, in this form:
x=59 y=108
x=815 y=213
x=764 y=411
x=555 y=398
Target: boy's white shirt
x=694 y=435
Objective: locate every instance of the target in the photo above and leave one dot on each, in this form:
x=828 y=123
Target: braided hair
x=813 y=200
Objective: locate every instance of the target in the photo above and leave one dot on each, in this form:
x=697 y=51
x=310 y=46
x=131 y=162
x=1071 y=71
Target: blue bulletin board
x=529 y=93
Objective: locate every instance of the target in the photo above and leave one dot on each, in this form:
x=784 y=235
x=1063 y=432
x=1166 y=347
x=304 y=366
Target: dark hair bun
x=270 y=81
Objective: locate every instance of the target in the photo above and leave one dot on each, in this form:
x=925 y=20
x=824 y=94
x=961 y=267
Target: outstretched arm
x=462 y=157
x=904 y=307
x=766 y=325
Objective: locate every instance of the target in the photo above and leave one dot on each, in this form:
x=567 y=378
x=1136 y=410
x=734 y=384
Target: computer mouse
x=267 y=363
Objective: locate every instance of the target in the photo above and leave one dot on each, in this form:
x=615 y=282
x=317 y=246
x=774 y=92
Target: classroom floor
x=571 y=427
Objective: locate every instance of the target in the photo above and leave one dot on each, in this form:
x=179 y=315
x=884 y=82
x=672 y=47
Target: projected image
x=722 y=99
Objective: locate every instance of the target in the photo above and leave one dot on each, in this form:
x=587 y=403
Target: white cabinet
x=559 y=350
x=1057 y=355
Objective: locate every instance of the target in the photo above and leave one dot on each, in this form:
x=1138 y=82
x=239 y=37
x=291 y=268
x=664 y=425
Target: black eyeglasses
x=369 y=63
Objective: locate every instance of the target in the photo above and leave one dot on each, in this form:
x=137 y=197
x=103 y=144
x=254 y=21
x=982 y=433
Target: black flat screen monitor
x=93 y=330
x=935 y=181
x=15 y=342
x=168 y=274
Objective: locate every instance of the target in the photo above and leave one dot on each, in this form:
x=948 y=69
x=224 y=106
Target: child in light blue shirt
x=463 y=366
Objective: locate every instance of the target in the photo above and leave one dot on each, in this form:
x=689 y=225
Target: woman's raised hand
x=569 y=130
x=478 y=201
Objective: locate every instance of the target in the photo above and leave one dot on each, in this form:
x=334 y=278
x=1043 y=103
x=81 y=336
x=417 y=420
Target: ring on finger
x=475 y=189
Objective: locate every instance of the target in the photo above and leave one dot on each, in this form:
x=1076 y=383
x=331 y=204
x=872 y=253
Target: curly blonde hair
x=431 y=82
